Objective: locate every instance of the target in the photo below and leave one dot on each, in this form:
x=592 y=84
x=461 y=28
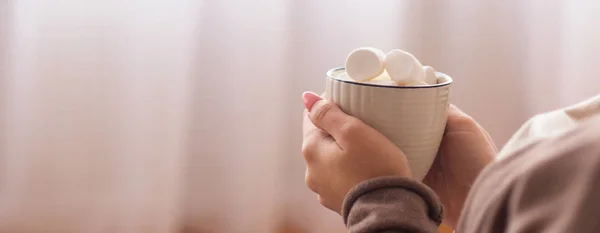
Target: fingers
x=459 y=121
x=328 y=116
x=316 y=141
x=314 y=145
x=310 y=99
x=310 y=182
x=308 y=127
x=488 y=137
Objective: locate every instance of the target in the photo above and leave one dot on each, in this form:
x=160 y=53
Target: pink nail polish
x=310 y=99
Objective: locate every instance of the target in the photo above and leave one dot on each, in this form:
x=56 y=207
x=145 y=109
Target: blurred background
x=184 y=115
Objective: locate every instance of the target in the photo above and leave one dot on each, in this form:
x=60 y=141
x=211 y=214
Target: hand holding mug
x=341 y=151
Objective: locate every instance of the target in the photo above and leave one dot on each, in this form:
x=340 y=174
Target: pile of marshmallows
x=396 y=68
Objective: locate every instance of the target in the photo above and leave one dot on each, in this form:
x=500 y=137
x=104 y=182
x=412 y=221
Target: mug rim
x=446 y=77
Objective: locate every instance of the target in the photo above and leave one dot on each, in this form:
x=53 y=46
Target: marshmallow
x=383 y=76
x=344 y=76
x=413 y=83
x=365 y=63
x=382 y=82
x=403 y=66
x=430 y=76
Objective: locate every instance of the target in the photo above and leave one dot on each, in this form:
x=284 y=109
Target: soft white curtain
x=94 y=115
x=171 y=116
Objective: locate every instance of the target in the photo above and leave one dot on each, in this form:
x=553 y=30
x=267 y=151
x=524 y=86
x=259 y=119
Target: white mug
x=412 y=117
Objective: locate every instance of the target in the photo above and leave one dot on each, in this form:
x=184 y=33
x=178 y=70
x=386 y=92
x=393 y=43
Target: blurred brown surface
x=444 y=229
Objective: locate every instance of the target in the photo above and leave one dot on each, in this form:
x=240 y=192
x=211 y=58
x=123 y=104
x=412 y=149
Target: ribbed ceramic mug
x=412 y=117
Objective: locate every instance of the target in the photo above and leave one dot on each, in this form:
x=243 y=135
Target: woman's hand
x=342 y=151
x=465 y=150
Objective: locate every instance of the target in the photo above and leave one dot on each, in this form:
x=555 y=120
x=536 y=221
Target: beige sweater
x=546 y=180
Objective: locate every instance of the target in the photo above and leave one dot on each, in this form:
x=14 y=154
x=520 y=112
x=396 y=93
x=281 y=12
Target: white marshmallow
x=365 y=63
x=403 y=66
x=383 y=76
x=344 y=76
x=413 y=83
x=430 y=76
x=382 y=82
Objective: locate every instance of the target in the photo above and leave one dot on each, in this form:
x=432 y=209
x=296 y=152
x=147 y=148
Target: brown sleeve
x=549 y=186
x=392 y=205
x=562 y=192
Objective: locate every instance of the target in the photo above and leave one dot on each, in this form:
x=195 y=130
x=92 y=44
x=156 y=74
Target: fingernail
x=310 y=99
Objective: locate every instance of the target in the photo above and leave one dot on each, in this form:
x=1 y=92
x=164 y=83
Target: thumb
x=325 y=115
x=459 y=121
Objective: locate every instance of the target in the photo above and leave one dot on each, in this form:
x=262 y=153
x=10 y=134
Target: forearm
x=392 y=205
